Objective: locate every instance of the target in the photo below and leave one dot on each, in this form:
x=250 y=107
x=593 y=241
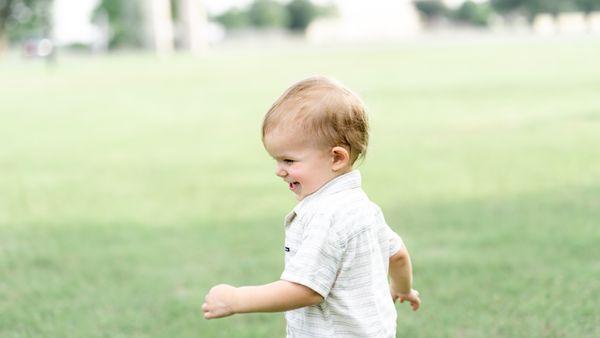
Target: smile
x=293 y=185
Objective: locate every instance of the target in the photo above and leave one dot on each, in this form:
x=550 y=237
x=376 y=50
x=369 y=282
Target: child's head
x=316 y=126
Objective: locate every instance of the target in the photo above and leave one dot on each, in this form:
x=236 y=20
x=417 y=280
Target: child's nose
x=279 y=171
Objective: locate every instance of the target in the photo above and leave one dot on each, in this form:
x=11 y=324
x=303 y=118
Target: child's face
x=304 y=166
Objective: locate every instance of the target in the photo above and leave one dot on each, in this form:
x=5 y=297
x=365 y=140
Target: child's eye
x=288 y=161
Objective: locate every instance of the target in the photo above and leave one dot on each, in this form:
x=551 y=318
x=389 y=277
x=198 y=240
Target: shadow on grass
x=509 y=267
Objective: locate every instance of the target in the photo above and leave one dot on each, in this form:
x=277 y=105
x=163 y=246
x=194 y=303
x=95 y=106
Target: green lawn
x=130 y=185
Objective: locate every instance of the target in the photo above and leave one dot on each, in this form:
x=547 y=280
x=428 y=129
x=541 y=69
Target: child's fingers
x=210 y=313
x=207 y=312
x=416 y=303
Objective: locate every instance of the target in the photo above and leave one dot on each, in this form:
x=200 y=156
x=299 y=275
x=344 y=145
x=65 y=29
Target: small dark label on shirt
x=286 y=249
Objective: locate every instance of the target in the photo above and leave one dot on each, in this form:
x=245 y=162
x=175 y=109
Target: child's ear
x=340 y=157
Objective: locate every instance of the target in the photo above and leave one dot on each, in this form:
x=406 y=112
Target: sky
x=72 y=20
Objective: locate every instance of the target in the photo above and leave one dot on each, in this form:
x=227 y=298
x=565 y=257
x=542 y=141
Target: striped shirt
x=338 y=244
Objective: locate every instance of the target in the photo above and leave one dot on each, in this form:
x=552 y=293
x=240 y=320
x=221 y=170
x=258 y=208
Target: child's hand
x=219 y=302
x=412 y=297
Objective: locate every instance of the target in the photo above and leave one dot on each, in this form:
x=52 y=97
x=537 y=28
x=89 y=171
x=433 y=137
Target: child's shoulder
x=349 y=212
x=342 y=203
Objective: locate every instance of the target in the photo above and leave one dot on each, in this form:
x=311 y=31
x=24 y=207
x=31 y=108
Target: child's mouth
x=293 y=186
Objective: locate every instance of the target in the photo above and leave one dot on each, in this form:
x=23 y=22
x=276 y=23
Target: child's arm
x=401 y=279
x=225 y=300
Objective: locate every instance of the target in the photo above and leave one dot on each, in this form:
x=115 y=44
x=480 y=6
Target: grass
x=130 y=185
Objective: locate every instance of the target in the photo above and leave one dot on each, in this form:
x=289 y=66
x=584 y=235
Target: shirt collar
x=346 y=181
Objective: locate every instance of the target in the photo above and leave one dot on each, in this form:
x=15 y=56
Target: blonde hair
x=324 y=108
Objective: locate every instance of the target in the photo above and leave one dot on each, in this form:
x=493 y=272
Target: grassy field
x=130 y=185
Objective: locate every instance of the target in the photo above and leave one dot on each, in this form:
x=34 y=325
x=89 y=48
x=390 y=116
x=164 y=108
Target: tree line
x=480 y=13
x=24 y=18
x=20 y=19
x=296 y=15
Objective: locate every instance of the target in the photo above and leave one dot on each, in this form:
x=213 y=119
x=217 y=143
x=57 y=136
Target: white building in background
x=372 y=20
x=594 y=22
x=576 y=23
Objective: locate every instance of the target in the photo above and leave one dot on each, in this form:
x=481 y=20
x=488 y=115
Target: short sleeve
x=395 y=241
x=317 y=259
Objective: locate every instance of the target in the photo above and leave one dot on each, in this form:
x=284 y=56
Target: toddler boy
x=339 y=251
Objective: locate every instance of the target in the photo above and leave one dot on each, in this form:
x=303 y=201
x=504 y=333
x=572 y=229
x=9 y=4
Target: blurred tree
x=508 y=6
x=24 y=18
x=5 y=14
x=301 y=14
x=125 y=22
x=588 y=6
x=295 y=16
x=267 y=13
x=477 y=14
x=234 y=18
x=431 y=10
x=174 y=9
x=534 y=7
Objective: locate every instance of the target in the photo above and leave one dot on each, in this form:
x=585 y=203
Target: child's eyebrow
x=282 y=156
